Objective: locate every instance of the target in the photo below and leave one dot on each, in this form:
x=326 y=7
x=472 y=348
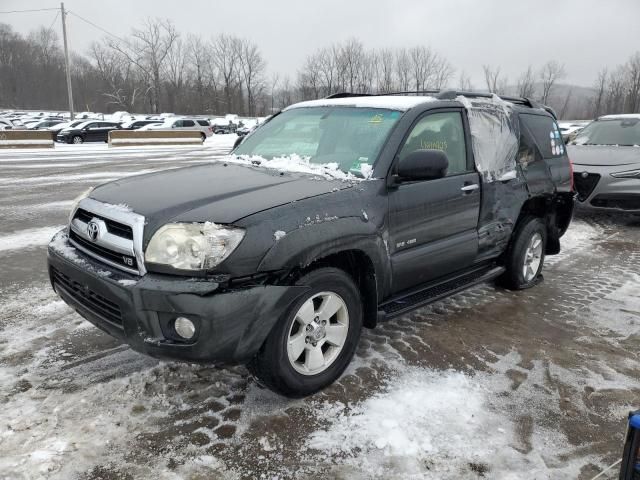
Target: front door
x=433 y=223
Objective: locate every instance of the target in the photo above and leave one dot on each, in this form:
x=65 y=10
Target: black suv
x=335 y=214
x=91 y=131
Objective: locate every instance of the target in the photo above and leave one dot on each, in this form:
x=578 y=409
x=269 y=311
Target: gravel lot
x=487 y=384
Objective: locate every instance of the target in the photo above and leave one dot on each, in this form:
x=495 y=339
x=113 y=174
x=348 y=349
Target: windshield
x=350 y=137
x=621 y=131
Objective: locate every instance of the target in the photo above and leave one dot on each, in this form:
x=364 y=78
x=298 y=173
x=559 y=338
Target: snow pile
x=579 y=236
x=618 y=312
x=444 y=421
x=296 y=164
x=495 y=133
x=32 y=237
x=279 y=235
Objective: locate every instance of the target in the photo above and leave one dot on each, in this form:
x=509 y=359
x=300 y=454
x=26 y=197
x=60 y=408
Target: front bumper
x=601 y=192
x=231 y=324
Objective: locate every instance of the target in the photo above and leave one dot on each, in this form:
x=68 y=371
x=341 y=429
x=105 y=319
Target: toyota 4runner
x=334 y=215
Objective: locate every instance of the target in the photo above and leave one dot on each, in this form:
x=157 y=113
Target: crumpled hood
x=216 y=192
x=603 y=155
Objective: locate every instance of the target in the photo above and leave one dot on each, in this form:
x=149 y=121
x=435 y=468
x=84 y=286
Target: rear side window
x=203 y=123
x=545 y=133
x=188 y=123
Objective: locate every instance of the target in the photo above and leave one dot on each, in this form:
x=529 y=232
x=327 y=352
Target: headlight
x=77 y=200
x=192 y=246
x=628 y=174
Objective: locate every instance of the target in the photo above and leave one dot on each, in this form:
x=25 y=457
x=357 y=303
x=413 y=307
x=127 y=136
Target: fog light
x=184 y=327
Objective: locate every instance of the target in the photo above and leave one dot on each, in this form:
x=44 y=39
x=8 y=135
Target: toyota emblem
x=93 y=230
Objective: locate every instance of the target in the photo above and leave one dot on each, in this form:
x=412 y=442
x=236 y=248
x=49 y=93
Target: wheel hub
x=532 y=258
x=318 y=333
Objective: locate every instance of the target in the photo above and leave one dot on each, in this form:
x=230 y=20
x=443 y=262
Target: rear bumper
x=231 y=324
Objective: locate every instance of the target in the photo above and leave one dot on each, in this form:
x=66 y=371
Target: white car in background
x=571 y=128
x=200 y=124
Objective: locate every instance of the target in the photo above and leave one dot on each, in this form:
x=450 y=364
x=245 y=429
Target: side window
x=203 y=123
x=178 y=124
x=188 y=123
x=545 y=133
x=440 y=131
x=527 y=150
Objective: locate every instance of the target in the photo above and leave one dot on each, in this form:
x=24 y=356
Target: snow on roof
x=393 y=102
x=620 y=116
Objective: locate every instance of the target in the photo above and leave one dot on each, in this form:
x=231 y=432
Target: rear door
x=188 y=125
x=433 y=223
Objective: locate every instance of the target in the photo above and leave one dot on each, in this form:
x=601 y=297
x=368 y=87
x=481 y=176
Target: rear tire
x=203 y=137
x=300 y=358
x=524 y=258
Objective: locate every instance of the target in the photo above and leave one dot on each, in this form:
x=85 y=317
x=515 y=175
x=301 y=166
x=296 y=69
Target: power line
x=54 y=21
x=98 y=27
x=34 y=10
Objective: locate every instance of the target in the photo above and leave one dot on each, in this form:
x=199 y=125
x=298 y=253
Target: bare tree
x=526 y=85
x=226 y=57
x=550 y=73
x=600 y=88
x=252 y=66
x=464 y=82
x=403 y=69
x=148 y=50
x=385 y=71
x=632 y=103
x=495 y=82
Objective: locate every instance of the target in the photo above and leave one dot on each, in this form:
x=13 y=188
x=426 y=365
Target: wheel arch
x=555 y=210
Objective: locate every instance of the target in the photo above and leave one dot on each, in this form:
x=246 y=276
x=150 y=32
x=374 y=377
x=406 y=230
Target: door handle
x=470 y=188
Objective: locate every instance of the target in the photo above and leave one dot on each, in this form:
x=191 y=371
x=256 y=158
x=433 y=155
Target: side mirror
x=237 y=142
x=423 y=165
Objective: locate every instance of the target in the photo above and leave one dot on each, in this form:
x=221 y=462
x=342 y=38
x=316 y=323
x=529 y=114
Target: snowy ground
x=487 y=384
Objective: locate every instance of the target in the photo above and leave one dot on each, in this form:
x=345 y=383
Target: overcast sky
x=585 y=35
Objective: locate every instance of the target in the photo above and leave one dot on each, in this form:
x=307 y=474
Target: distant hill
x=578 y=105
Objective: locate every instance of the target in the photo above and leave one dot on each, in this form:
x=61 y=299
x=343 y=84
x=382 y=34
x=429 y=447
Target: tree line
x=157 y=69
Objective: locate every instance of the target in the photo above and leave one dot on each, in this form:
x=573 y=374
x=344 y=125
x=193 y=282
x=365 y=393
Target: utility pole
x=66 y=58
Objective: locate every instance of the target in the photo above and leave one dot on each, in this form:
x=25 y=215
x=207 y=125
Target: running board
x=401 y=305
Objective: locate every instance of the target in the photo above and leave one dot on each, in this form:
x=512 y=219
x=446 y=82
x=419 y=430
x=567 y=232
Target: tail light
x=571 y=182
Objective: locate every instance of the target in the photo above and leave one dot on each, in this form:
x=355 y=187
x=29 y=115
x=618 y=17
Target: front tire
x=313 y=343
x=77 y=139
x=524 y=258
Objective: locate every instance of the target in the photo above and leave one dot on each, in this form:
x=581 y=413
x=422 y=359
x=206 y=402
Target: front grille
x=94 y=303
x=119 y=229
x=585 y=185
x=121 y=260
x=619 y=201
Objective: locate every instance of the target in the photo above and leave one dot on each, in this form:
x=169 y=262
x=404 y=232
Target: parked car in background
x=55 y=129
x=570 y=129
x=199 y=124
x=224 y=129
x=91 y=131
x=606 y=162
x=137 y=124
x=44 y=124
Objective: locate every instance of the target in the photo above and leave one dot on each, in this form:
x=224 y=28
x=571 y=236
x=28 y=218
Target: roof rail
x=451 y=95
x=347 y=95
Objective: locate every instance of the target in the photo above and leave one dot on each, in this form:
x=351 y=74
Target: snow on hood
x=495 y=133
x=297 y=164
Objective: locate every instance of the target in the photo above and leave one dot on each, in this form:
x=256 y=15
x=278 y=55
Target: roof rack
x=451 y=95
x=348 y=95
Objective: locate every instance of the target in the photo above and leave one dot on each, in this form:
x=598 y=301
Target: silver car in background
x=606 y=162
